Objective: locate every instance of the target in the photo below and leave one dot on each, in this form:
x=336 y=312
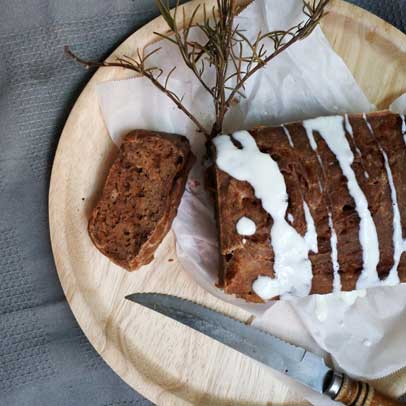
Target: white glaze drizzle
x=364 y=116
x=348 y=126
x=293 y=270
x=263 y=286
x=245 y=226
x=287 y=133
x=334 y=256
x=311 y=234
x=350 y=131
x=331 y=129
x=398 y=243
x=333 y=238
x=402 y=116
x=313 y=144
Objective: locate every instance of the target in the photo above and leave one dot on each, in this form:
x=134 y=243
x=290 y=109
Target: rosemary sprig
x=225 y=48
x=151 y=73
x=234 y=57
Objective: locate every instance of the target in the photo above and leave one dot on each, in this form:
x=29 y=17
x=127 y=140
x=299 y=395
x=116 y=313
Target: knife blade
x=294 y=361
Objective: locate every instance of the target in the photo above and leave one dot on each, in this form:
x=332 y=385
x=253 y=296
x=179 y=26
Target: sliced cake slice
x=141 y=196
x=312 y=207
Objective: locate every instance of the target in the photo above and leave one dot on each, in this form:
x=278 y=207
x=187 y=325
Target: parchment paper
x=306 y=81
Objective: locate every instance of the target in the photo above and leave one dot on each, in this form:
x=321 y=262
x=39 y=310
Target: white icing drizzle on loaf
x=289 y=137
x=350 y=131
x=364 y=116
x=313 y=144
x=311 y=234
x=402 y=117
x=263 y=286
x=245 y=226
x=398 y=243
x=333 y=234
x=293 y=270
x=334 y=256
x=331 y=129
x=348 y=128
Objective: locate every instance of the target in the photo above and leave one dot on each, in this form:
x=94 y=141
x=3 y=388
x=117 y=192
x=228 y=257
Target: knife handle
x=353 y=393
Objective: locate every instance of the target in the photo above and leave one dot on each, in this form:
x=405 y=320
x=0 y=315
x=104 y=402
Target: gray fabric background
x=45 y=359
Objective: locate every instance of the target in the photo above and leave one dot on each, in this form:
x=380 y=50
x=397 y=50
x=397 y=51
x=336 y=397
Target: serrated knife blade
x=296 y=362
x=293 y=361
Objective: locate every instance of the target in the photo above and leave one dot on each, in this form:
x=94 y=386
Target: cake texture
x=140 y=197
x=328 y=201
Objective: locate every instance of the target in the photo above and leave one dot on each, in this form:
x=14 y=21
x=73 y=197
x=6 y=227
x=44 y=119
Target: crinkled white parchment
x=306 y=81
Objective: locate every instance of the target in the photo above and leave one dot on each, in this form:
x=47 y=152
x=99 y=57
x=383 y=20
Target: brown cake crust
x=140 y=197
x=243 y=261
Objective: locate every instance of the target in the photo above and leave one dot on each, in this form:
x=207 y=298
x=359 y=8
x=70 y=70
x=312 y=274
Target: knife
x=293 y=361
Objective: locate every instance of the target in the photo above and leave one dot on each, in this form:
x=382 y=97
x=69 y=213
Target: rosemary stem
x=139 y=68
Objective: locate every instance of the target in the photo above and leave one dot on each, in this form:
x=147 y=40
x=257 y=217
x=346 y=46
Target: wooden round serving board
x=166 y=362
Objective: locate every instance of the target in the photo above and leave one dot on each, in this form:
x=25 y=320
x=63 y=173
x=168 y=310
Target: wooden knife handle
x=353 y=393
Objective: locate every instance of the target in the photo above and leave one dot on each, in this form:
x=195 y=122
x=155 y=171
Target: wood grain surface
x=166 y=362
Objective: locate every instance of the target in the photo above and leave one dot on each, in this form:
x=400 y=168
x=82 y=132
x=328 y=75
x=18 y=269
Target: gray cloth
x=45 y=359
